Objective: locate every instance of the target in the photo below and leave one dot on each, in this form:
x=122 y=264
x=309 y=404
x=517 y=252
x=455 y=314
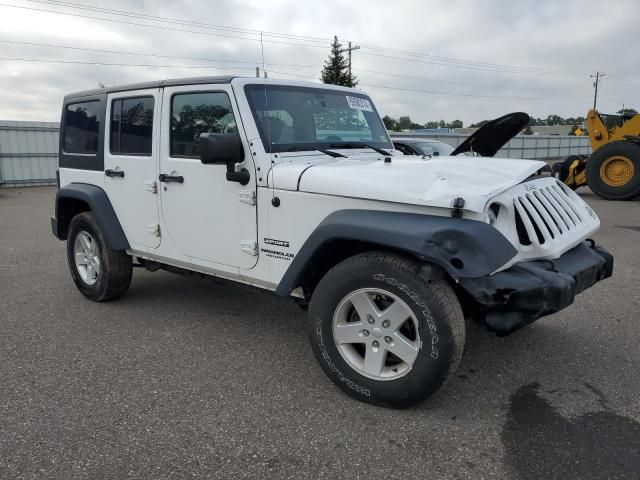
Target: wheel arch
x=76 y=198
x=461 y=248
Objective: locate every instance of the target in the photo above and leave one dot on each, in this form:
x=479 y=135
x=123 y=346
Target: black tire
x=115 y=265
x=562 y=169
x=441 y=328
x=597 y=184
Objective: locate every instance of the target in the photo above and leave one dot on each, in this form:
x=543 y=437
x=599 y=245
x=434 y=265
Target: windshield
x=294 y=118
x=431 y=148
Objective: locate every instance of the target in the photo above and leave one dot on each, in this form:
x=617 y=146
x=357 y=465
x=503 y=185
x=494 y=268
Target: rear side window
x=196 y=113
x=81 y=127
x=131 y=126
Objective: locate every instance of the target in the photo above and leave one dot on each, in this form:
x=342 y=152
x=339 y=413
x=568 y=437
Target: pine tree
x=336 y=68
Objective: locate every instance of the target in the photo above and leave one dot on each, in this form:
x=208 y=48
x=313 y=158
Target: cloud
x=570 y=37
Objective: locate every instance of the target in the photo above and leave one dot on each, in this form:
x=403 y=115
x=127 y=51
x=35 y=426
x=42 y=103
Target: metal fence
x=538 y=147
x=28 y=153
x=29 y=150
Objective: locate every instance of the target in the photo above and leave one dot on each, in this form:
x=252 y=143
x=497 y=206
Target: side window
x=196 y=113
x=81 y=126
x=131 y=126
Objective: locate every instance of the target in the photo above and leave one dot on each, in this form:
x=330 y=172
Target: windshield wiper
x=360 y=145
x=321 y=150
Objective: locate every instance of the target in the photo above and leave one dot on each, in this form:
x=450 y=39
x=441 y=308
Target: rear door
x=131 y=163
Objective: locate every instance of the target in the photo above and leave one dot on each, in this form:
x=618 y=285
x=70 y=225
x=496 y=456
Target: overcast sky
x=475 y=59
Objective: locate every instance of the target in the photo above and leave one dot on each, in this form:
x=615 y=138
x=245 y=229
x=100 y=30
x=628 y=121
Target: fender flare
x=98 y=201
x=463 y=248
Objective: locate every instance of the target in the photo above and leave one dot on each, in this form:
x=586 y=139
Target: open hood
x=490 y=138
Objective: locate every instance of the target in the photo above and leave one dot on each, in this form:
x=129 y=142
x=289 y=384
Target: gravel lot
x=188 y=378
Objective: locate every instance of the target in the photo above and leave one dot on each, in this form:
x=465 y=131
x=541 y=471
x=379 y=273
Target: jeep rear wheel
x=98 y=272
x=384 y=334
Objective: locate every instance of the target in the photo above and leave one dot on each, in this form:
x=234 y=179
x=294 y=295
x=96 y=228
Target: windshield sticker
x=358 y=103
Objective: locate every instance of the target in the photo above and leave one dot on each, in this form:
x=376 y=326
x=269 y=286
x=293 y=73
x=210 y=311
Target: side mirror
x=225 y=148
x=221 y=148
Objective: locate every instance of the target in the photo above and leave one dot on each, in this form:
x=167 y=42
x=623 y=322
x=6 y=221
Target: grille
x=545 y=214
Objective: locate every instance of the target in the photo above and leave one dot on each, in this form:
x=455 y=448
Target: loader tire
x=613 y=171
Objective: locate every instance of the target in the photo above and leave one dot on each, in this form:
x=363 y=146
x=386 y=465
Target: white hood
x=433 y=182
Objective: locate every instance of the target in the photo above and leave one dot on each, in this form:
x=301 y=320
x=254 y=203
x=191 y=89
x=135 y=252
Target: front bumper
x=529 y=290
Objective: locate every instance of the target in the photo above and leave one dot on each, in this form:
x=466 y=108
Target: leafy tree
x=456 y=124
x=431 y=125
x=480 y=124
x=555 y=120
x=389 y=122
x=336 y=68
x=404 y=122
x=626 y=111
x=527 y=130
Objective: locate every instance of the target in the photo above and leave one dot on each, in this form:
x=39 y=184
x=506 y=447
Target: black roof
x=156 y=84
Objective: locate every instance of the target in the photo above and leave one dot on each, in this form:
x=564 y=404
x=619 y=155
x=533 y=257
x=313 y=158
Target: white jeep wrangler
x=296 y=188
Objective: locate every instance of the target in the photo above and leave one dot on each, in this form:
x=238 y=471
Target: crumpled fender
x=463 y=248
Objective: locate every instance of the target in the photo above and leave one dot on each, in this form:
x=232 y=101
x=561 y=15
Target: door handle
x=114 y=173
x=171 y=178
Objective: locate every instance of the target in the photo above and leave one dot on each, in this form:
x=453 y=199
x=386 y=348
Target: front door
x=131 y=163
x=206 y=217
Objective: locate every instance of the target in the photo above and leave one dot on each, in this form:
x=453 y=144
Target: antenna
x=275 y=201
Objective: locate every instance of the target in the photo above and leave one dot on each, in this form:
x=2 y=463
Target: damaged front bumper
x=529 y=290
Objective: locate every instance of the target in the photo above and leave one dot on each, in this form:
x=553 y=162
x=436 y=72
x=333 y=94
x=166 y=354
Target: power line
x=250 y=62
x=160 y=27
x=177 y=21
x=424 y=58
x=291 y=36
x=473 y=62
x=113 y=64
x=449 y=82
x=119 y=52
x=436 y=92
x=469 y=67
x=616 y=77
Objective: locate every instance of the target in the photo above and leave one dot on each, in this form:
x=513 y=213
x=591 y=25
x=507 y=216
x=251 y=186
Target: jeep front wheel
x=98 y=272
x=382 y=332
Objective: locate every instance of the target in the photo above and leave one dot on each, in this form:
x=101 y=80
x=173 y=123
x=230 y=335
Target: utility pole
x=350 y=49
x=597 y=77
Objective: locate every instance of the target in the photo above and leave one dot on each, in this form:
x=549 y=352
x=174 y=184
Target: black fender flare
x=463 y=248
x=98 y=201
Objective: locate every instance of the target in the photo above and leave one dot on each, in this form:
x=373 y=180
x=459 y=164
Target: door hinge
x=154 y=229
x=248 y=197
x=151 y=186
x=250 y=247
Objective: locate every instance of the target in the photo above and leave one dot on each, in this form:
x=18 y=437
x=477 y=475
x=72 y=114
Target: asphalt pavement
x=186 y=378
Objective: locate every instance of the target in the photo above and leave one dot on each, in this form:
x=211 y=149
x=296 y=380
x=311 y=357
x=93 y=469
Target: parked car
x=422 y=146
x=485 y=142
x=295 y=188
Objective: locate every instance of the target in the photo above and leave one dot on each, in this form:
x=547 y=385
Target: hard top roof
x=154 y=84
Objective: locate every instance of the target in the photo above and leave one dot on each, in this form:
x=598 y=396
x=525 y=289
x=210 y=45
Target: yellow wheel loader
x=612 y=171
